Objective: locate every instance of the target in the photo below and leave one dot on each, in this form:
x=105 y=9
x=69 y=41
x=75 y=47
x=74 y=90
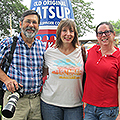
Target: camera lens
x=9 y=112
x=9 y=109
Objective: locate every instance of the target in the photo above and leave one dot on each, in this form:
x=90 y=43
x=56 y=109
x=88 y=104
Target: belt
x=32 y=96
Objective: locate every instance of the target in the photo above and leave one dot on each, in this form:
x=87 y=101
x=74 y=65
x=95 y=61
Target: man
x=25 y=69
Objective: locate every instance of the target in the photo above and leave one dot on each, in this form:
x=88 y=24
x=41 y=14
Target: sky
x=104 y=10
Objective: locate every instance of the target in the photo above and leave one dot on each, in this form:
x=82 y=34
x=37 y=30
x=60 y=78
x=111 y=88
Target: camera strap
x=9 y=60
x=10 y=57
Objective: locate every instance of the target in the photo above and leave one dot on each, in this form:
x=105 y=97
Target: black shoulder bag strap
x=11 y=53
x=8 y=62
x=84 y=60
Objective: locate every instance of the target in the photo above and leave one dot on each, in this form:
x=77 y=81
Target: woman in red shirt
x=101 y=92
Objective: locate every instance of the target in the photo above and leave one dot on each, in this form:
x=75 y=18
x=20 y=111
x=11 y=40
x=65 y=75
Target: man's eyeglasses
x=107 y=33
x=29 y=21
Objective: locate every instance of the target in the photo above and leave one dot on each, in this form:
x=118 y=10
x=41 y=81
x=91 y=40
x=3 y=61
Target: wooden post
x=10 y=26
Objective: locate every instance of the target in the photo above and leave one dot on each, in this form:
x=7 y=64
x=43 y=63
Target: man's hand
x=12 y=85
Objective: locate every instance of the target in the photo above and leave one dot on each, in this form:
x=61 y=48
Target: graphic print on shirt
x=67 y=69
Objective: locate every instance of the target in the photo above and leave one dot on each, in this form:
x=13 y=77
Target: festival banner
x=51 y=12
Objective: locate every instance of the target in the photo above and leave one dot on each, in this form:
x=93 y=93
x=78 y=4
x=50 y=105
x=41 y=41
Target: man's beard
x=29 y=34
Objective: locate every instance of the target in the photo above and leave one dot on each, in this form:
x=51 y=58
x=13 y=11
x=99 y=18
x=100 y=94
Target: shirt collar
x=23 y=42
x=98 y=50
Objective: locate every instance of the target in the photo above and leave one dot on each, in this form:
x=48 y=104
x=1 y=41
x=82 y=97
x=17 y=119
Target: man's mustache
x=30 y=28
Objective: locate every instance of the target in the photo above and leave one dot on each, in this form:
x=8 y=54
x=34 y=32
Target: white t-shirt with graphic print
x=64 y=84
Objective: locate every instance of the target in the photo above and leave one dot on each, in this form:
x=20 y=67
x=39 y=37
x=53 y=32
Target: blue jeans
x=100 y=113
x=51 y=112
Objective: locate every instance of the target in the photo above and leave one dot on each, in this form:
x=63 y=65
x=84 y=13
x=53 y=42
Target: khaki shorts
x=28 y=108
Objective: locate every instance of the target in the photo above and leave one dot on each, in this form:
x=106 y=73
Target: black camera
x=9 y=109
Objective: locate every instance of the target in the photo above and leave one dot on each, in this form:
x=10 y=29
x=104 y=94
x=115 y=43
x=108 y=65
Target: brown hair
x=66 y=23
x=106 y=23
x=30 y=12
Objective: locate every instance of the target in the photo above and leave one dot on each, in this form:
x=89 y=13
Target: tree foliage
x=83 y=16
x=13 y=7
x=116 y=26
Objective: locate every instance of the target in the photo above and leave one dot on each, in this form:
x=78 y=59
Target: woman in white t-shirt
x=62 y=91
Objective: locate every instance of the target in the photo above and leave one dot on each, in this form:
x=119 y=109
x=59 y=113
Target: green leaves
x=7 y=7
x=116 y=26
x=83 y=16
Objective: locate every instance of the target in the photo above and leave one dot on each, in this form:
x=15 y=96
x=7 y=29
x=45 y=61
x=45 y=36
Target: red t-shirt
x=101 y=78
